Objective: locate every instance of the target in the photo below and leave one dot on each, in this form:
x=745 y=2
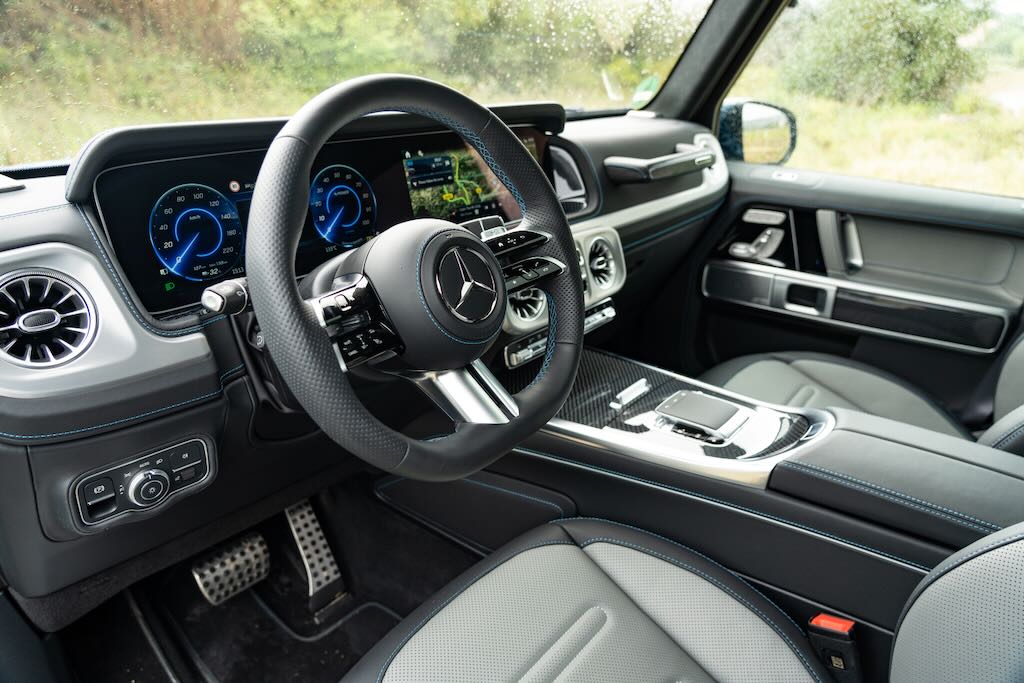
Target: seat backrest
x=965 y=620
x=1010 y=385
x=1007 y=432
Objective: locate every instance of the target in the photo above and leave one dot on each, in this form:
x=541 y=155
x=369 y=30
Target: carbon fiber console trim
x=769 y=434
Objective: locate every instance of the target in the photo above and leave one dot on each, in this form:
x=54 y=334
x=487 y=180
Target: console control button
x=97 y=490
x=148 y=487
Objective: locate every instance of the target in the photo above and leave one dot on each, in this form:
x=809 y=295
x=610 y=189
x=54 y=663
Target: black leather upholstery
x=932 y=485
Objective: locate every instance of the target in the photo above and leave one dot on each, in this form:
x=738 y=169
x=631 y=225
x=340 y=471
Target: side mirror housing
x=757 y=132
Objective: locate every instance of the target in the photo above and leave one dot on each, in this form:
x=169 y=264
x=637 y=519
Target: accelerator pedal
x=323 y=575
x=232 y=568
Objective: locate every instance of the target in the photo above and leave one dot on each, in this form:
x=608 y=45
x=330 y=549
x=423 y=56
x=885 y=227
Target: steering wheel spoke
x=471 y=394
x=356 y=323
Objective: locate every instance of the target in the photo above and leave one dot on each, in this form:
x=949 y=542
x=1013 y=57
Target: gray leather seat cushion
x=815 y=380
x=591 y=600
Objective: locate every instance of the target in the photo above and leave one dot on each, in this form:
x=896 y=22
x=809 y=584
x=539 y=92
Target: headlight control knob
x=149 y=487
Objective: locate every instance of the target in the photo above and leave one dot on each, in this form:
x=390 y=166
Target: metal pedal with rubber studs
x=232 y=568
x=323 y=575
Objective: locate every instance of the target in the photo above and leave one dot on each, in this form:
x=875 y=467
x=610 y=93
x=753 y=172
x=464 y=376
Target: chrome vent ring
x=601 y=263
x=527 y=304
x=46 y=318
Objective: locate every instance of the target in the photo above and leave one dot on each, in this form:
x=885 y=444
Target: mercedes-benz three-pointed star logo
x=466 y=284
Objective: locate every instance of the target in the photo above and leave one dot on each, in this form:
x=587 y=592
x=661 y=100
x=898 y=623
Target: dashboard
x=179 y=225
x=146 y=217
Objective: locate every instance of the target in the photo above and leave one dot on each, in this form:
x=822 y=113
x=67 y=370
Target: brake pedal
x=323 y=575
x=232 y=568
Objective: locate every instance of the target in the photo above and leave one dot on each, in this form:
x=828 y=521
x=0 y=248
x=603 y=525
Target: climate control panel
x=142 y=483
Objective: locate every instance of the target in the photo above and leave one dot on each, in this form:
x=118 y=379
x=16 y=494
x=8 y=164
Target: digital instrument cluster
x=179 y=225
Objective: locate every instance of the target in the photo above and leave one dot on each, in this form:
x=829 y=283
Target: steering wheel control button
x=466 y=284
x=142 y=483
x=528 y=271
x=516 y=240
x=148 y=487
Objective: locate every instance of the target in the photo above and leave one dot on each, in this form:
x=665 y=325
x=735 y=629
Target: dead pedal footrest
x=323 y=575
x=232 y=568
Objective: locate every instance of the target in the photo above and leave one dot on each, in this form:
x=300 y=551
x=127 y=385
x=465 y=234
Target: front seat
x=818 y=380
x=592 y=600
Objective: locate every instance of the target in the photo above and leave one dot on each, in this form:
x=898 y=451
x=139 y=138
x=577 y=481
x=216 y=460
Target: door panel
x=922 y=282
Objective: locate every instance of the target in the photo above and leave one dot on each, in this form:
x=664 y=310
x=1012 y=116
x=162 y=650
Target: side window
x=929 y=92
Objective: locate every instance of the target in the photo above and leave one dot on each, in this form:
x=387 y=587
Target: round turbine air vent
x=45 y=319
x=601 y=262
x=527 y=304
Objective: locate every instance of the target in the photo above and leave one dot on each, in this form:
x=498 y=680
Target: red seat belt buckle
x=832 y=638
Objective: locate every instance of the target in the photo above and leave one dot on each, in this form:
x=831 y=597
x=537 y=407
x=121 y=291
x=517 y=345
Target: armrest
x=930 y=485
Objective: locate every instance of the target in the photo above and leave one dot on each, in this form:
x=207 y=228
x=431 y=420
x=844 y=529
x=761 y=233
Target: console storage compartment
x=930 y=485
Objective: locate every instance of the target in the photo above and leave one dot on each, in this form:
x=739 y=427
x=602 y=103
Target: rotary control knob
x=148 y=487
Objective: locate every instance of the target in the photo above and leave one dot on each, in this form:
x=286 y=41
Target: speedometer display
x=196 y=232
x=342 y=205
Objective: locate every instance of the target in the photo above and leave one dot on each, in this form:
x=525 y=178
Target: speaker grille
x=45 y=319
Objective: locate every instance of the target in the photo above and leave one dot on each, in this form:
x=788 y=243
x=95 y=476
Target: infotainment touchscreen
x=456 y=185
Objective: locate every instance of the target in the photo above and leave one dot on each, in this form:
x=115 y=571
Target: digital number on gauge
x=196 y=232
x=342 y=205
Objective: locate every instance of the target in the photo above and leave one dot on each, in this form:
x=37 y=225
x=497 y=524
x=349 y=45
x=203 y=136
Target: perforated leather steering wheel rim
x=297 y=342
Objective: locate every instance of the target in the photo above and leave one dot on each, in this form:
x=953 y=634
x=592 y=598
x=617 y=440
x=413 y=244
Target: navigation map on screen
x=456 y=185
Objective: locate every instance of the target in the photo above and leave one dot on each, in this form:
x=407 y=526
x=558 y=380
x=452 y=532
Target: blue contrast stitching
x=710 y=579
x=941 y=572
x=672 y=228
x=460 y=591
x=998 y=443
x=517 y=493
x=973 y=554
x=702 y=496
x=549 y=353
x=423 y=300
x=688 y=549
x=122 y=420
x=124 y=294
x=896 y=497
x=489 y=486
x=12 y=216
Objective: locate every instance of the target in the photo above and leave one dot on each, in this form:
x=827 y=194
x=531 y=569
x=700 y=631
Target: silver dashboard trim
x=518 y=327
x=668 y=449
x=832 y=285
x=664 y=448
x=714 y=180
x=121 y=349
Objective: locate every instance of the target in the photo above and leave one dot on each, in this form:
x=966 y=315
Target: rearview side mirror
x=757 y=132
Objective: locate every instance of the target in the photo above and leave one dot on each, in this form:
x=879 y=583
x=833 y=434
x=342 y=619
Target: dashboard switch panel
x=142 y=483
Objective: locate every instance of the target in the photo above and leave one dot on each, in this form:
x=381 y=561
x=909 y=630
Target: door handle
x=686 y=159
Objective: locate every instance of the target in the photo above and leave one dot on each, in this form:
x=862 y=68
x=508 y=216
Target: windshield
x=68 y=71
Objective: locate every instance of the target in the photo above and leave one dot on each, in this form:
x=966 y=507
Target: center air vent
x=527 y=304
x=601 y=263
x=45 y=319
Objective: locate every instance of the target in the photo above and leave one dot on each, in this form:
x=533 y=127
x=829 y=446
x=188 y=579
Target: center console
x=666 y=419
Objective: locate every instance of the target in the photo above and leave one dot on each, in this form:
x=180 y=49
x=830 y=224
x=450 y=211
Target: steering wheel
x=430 y=292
